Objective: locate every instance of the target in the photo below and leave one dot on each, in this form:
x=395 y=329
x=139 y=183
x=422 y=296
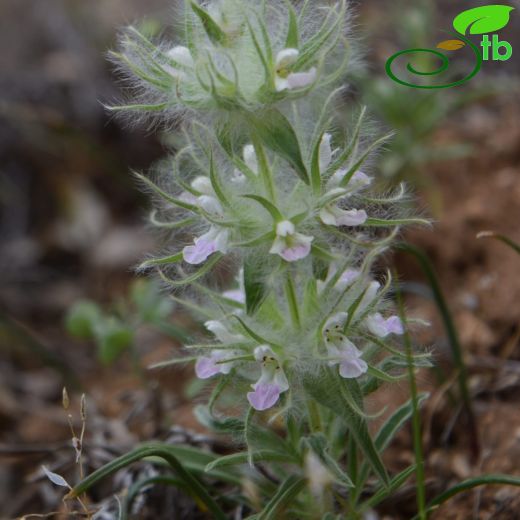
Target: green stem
x=456 y=348
x=416 y=419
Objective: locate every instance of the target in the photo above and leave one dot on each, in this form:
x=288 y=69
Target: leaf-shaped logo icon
x=451 y=45
x=482 y=20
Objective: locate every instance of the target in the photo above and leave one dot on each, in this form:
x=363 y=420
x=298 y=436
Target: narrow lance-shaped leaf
x=329 y=390
x=214 y=32
x=163 y=452
x=254 y=287
x=276 y=133
x=291 y=41
x=286 y=494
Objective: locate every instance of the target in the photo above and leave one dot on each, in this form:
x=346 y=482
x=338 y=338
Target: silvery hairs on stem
x=268 y=176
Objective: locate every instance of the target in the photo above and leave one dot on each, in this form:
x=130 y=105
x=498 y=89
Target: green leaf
x=269 y=206
x=286 y=494
x=215 y=258
x=465 y=485
x=152 y=305
x=315 y=166
x=330 y=390
x=255 y=336
x=82 y=318
x=506 y=240
x=136 y=488
x=255 y=288
x=214 y=32
x=319 y=445
x=168 y=198
x=292 y=39
x=395 y=483
x=215 y=182
x=482 y=20
x=329 y=31
x=394 y=423
x=244 y=458
x=451 y=332
x=259 y=438
x=354 y=168
x=113 y=339
x=171 y=259
x=276 y=132
x=387 y=432
x=164 y=452
x=352 y=146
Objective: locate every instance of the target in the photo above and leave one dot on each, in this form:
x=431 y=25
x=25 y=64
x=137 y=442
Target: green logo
x=480 y=20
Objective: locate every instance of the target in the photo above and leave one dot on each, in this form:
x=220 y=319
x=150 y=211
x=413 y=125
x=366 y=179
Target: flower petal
x=199 y=252
x=203 y=185
x=250 y=158
x=237 y=295
x=297 y=252
x=181 y=55
x=395 y=325
x=327 y=216
x=210 y=205
x=352 y=217
x=350 y=368
x=359 y=180
x=265 y=396
x=222 y=333
x=377 y=325
x=301 y=79
x=284 y=228
x=206 y=367
x=335 y=322
x=325 y=152
x=286 y=57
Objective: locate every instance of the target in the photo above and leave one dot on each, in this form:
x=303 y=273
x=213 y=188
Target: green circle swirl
x=444 y=65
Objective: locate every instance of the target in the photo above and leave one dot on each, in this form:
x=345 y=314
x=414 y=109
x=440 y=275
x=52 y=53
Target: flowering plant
x=268 y=180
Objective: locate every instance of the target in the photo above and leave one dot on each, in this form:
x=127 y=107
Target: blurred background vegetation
x=73 y=225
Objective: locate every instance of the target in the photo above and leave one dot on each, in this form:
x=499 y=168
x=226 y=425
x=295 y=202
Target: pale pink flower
x=209 y=366
x=272 y=382
x=341 y=351
x=382 y=327
x=287 y=80
x=204 y=246
x=290 y=244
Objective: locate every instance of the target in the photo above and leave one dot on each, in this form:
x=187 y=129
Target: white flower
x=222 y=334
x=251 y=161
x=181 y=56
x=325 y=152
x=331 y=214
x=347 y=277
x=290 y=244
x=287 y=80
x=272 y=380
x=342 y=351
x=208 y=366
x=210 y=242
x=203 y=185
x=334 y=216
